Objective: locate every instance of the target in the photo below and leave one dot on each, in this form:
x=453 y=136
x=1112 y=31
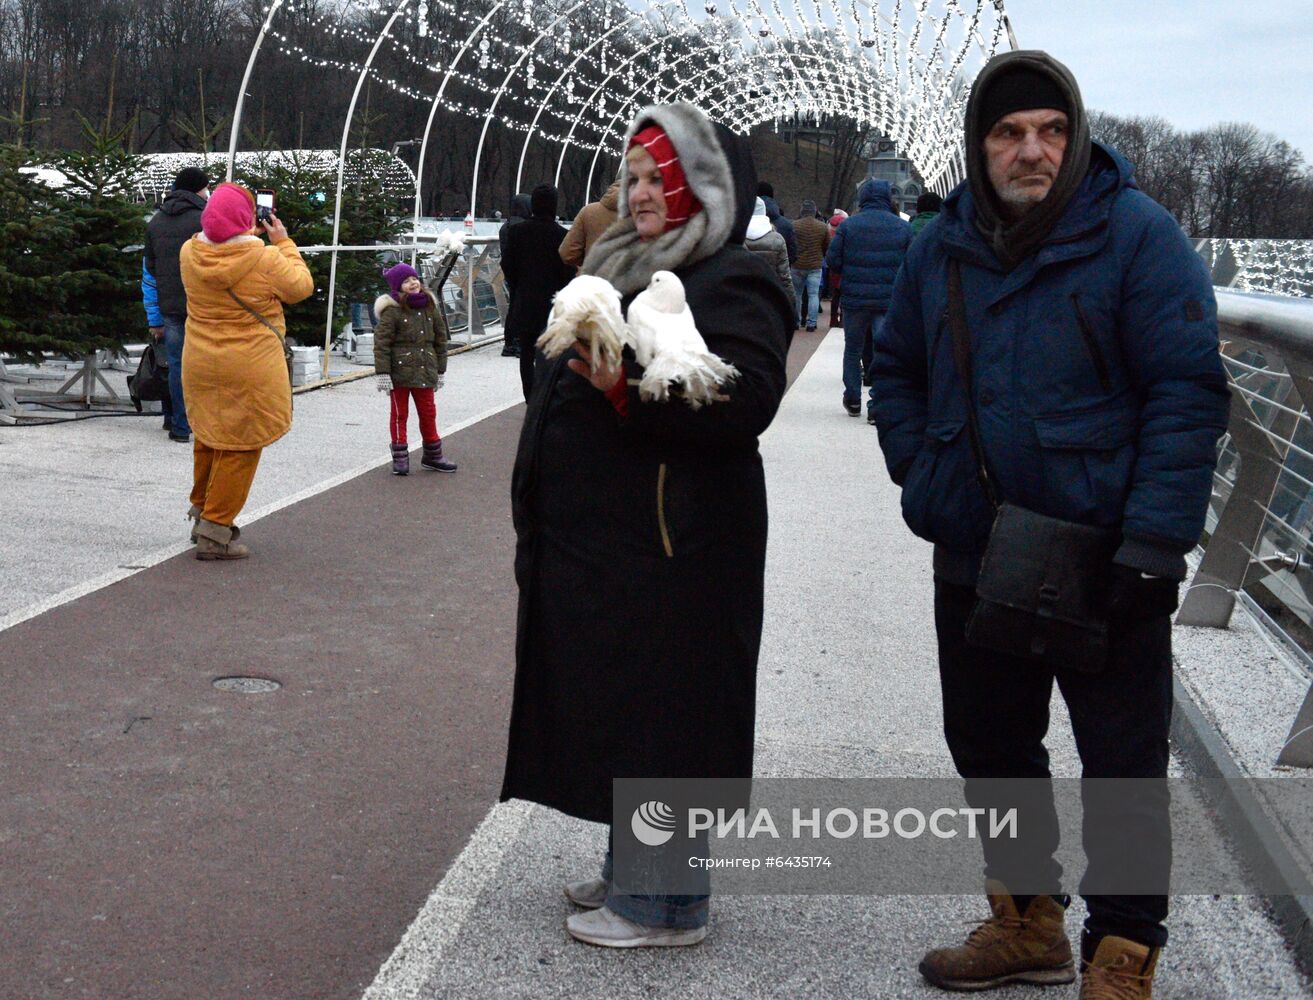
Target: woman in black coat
x=534 y=272
x=641 y=526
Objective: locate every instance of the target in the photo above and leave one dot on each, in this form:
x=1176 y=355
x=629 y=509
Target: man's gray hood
x=1014 y=243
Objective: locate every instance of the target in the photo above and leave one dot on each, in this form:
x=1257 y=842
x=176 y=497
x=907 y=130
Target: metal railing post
x=1210 y=598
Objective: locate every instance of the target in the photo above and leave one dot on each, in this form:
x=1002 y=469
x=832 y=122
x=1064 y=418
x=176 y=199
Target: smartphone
x=264 y=204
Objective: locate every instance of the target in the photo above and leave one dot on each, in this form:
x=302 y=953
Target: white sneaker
x=604 y=928
x=590 y=893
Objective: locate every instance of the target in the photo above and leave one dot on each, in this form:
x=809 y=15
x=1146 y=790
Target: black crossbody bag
x=1043 y=586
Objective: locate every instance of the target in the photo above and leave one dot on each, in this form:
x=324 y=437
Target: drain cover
x=247 y=685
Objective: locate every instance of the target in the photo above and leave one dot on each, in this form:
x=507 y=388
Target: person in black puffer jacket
x=177 y=221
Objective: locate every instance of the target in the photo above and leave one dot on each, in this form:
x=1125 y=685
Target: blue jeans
x=859 y=323
x=810 y=281
x=175 y=328
x=678 y=912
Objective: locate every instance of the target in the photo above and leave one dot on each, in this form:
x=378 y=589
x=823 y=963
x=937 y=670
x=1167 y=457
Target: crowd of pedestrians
x=1041 y=352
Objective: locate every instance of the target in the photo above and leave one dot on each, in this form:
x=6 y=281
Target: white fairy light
x=902 y=66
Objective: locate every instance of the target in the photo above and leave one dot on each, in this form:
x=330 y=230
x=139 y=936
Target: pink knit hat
x=229 y=212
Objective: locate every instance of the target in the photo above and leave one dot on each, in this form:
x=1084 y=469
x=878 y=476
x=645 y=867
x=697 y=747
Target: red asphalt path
x=162 y=839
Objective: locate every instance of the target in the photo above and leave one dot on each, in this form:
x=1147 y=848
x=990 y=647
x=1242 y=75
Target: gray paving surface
x=1248 y=689
x=82 y=499
x=847 y=687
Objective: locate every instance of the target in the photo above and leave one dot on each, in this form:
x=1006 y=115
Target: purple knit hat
x=396 y=277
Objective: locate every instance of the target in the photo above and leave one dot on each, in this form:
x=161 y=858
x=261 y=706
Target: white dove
x=448 y=242
x=586 y=309
x=667 y=343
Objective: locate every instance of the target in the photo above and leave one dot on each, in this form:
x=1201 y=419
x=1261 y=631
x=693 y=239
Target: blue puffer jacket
x=868 y=248
x=1099 y=389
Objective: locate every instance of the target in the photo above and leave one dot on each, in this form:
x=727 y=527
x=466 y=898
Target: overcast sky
x=1194 y=62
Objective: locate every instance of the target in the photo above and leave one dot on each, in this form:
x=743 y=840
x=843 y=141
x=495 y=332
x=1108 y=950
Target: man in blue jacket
x=1099 y=396
x=866 y=252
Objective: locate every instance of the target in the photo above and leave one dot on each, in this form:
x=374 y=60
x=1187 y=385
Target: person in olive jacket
x=410 y=359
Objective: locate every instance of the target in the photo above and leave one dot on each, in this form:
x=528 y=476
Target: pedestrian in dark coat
x=520 y=211
x=782 y=224
x=763 y=239
x=641 y=526
x=1098 y=395
x=531 y=262
x=867 y=251
x=928 y=207
x=177 y=221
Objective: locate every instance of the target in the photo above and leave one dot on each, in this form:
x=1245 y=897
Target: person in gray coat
x=763 y=239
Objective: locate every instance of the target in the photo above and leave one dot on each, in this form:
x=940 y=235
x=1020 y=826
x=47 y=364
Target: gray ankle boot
x=218 y=541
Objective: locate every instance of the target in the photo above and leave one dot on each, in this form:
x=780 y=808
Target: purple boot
x=400 y=460
x=433 y=458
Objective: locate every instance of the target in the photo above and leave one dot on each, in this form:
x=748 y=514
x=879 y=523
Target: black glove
x=1134 y=596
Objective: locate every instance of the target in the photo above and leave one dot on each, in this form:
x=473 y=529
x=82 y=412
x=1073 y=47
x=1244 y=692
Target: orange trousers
x=221 y=481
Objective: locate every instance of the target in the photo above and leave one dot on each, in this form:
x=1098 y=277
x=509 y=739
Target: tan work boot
x=218 y=541
x=1007 y=948
x=1120 y=970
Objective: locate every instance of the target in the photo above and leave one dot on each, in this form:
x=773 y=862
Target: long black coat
x=531 y=262
x=641 y=549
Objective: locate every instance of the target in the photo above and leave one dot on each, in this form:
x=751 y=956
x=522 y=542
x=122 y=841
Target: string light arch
x=903 y=67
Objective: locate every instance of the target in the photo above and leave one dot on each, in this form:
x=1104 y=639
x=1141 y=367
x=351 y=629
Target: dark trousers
x=528 y=358
x=996 y=715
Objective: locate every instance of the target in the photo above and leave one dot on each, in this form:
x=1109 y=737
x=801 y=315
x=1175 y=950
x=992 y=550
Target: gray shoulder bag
x=1042 y=593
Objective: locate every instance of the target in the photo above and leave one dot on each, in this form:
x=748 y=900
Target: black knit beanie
x=543 y=201
x=1021 y=89
x=191 y=179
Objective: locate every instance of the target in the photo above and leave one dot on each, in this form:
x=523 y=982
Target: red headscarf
x=681 y=203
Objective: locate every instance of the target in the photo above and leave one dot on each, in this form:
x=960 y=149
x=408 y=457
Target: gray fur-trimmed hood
x=626 y=261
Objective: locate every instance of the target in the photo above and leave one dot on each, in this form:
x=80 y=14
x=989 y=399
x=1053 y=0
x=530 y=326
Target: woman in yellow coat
x=239 y=398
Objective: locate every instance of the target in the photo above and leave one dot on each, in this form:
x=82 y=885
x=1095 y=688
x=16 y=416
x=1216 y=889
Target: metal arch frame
x=814 y=55
x=876 y=70
x=844 y=25
x=542 y=105
x=896 y=106
x=274 y=7
x=437 y=102
x=341 y=175
x=565 y=146
x=496 y=99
